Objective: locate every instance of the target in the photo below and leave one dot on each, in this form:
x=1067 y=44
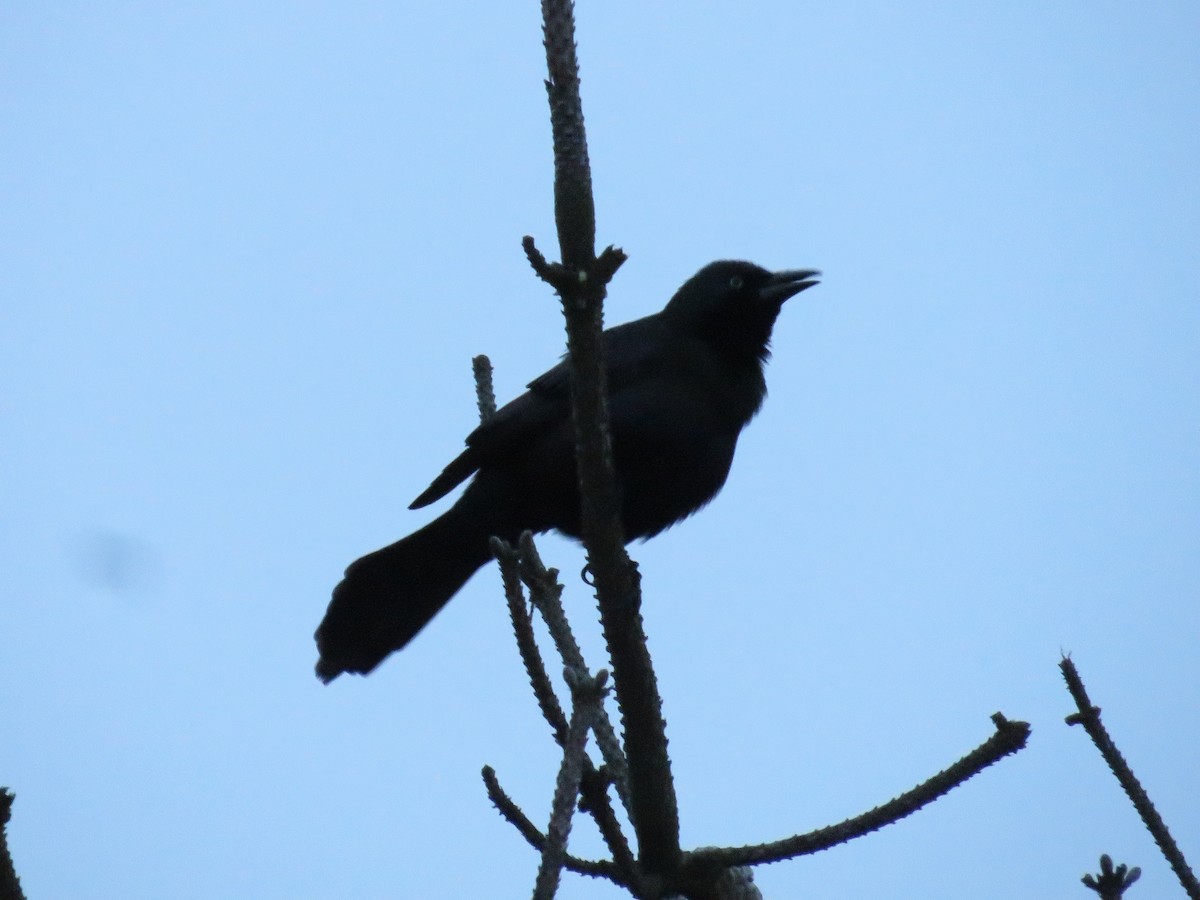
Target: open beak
x=788 y=283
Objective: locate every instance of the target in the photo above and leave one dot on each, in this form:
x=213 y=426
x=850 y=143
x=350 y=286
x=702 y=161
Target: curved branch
x=1009 y=738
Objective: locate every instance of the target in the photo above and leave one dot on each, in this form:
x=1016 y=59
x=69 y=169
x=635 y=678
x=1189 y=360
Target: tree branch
x=545 y=591
x=1009 y=738
x=481 y=366
x=535 y=666
x=581 y=282
x=1089 y=717
x=517 y=818
x=587 y=699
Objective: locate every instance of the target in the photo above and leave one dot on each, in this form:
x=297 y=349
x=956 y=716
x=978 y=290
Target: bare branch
x=574 y=209
x=587 y=698
x=546 y=593
x=1009 y=738
x=654 y=807
x=1089 y=717
x=551 y=273
x=485 y=396
x=594 y=799
x=515 y=817
x=535 y=667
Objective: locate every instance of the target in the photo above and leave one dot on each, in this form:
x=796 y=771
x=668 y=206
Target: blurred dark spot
x=115 y=562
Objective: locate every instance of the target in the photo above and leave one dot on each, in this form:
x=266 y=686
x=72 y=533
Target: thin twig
x=535 y=667
x=587 y=697
x=551 y=273
x=516 y=567
x=546 y=593
x=517 y=818
x=1089 y=717
x=594 y=799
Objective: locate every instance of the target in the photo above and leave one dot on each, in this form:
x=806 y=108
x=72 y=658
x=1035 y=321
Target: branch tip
x=485 y=395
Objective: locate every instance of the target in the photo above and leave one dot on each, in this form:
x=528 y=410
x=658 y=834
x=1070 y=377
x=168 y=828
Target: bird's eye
x=736 y=282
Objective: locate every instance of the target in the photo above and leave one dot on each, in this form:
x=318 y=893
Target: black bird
x=682 y=384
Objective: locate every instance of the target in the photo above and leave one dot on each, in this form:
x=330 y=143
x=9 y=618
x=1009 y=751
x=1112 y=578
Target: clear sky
x=246 y=254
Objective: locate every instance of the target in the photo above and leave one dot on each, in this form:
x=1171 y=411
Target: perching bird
x=682 y=384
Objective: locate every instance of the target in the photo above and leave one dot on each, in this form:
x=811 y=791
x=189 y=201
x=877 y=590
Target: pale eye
x=736 y=282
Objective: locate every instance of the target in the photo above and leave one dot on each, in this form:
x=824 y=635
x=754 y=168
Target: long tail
x=388 y=596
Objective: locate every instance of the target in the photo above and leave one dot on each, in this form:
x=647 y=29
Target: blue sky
x=247 y=253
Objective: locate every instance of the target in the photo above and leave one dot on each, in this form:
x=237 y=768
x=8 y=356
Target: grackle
x=682 y=384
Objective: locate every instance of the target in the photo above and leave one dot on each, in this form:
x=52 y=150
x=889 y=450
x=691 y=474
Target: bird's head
x=733 y=305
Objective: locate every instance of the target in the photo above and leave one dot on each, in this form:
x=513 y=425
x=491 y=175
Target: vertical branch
x=485 y=397
x=574 y=208
x=581 y=281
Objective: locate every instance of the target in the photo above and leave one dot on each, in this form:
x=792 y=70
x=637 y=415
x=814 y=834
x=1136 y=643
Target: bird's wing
x=630 y=351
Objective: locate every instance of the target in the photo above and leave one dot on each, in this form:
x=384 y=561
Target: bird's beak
x=788 y=283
